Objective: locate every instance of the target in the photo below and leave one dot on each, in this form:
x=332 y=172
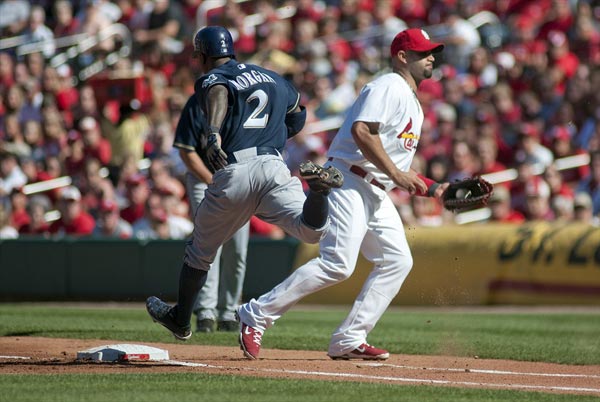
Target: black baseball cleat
x=162 y=313
x=320 y=179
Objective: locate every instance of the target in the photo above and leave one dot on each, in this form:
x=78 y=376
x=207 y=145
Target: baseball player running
x=219 y=297
x=373 y=149
x=251 y=112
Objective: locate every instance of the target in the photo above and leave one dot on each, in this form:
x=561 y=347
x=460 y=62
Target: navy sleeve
x=190 y=126
x=293 y=97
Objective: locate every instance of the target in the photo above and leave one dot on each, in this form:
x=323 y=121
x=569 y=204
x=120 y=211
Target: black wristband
x=432 y=188
x=214 y=130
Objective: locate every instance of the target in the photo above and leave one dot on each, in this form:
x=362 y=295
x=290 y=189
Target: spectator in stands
x=501 y=209
x=129 y=137
x=551 y=99
x=37 y=31
x=15 y=14
x=74 y=221
x=562 y=146
x=529 y=146
x=162 y=180
x=11 y=175
x=164 y=27
x=36 y=210
x=462 y=163
x=537 y=201
x=87 y=105
x=6 y=230
x=558 y=186
x=346 y=14
x=7 y=73
x=507 y=109
x=157 y=224
x=591 y=183
x=559 y=18
x=530 y=106
x=461 y=40
x=525 y=174
x=482 y=69
x=110 y=224
x=34 y=138
x=562 y=208
x=583 y=209
x=387 y=22
x=30 y=167
x=14 y=142
x=93 y=21
x=426 y=212
x=65 y=22
x=15 y=102
x=94 y=144
x=562 y=62
x=585 y=36
x=487 y=151
x=137 y=192
x=174 y=205
x=18 y=209
x=437 y=168
x=74 y=156
x=94 y=187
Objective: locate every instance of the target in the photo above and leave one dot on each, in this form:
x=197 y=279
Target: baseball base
x=123 y=352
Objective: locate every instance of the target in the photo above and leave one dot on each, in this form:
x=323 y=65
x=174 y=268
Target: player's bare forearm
x=366 y=136
x=195 y=166
x=216 y=108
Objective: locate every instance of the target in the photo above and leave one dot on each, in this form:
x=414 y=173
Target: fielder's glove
x=468 y=193
x=215 y=156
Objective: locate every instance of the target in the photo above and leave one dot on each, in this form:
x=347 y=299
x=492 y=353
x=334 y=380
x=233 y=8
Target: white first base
x=123 y=352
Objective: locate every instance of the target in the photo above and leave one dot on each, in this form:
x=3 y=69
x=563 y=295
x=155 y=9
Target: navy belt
x=248 y=154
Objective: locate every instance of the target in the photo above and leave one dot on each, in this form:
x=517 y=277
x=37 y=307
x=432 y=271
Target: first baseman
x=373 y=149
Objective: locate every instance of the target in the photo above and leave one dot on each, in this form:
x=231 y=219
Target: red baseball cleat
x=250 y=339
x=364 y=352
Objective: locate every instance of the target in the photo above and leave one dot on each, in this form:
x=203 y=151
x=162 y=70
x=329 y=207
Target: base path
x=34 y=355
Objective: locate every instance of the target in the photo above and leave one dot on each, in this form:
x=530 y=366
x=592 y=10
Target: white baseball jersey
x=362 y=218
x=390 y=101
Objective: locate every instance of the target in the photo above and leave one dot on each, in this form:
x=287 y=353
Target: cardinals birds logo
x=410 y=140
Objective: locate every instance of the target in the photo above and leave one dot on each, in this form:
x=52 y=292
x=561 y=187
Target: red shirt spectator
x=137 y=193
x=19 y=216
x=37 y=224
x=95 y=146
x=74 y=220
x=563 y=63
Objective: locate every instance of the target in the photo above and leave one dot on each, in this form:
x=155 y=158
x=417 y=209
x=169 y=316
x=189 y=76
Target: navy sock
x=191 y=281
x=315 y=209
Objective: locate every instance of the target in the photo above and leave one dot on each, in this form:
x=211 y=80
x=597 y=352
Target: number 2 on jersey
x=253 y=121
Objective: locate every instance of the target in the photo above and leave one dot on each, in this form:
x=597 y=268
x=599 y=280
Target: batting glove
x=214 y=154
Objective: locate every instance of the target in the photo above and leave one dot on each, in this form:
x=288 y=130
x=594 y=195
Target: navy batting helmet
x=213 y=41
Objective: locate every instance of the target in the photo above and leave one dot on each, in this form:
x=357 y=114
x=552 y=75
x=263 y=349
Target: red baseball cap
x=414 y=39
x=108 y=206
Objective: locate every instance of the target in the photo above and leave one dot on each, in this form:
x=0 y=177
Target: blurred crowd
x=515 y=95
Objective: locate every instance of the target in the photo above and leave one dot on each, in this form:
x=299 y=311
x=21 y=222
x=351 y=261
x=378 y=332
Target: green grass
x=204 y=387
x=570 y=338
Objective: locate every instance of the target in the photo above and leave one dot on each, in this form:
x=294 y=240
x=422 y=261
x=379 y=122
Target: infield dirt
x=35 y=355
